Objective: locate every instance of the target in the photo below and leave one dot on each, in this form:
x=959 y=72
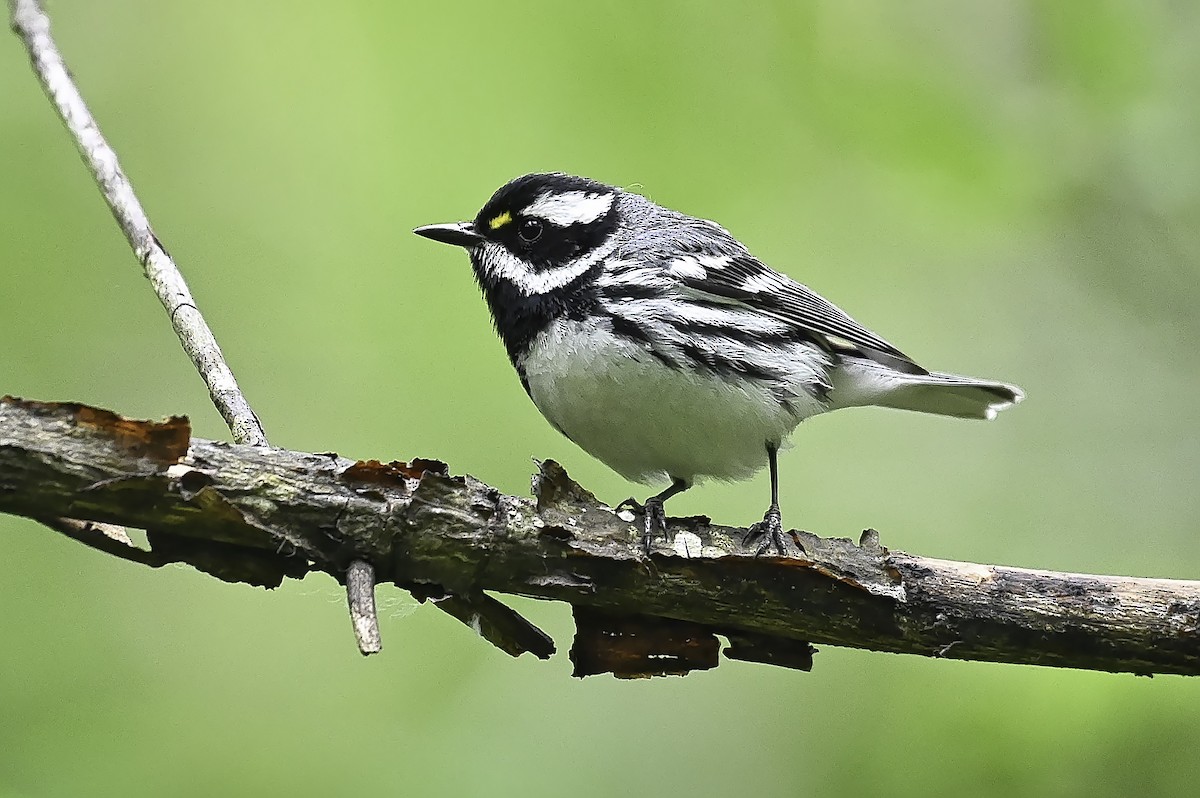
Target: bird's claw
x=654 y=519
x=771 y=530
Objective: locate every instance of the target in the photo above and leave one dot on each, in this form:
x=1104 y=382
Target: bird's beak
x=460 y=234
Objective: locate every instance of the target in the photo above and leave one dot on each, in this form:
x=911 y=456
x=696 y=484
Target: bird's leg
x=771 y=527
x=654 y=517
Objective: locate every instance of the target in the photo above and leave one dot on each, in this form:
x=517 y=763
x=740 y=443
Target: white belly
x=647 y=421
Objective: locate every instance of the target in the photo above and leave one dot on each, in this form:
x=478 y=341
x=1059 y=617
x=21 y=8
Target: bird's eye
x=530 y=230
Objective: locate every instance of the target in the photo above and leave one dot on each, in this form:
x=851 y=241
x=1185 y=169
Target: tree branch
x=425 y=530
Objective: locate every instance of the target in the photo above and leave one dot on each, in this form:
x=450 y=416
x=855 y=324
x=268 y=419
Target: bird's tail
x=859 y=382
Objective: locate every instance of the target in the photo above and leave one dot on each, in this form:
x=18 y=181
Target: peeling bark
x=260 y=514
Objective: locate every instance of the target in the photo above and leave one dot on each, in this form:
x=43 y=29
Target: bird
x=661 y=346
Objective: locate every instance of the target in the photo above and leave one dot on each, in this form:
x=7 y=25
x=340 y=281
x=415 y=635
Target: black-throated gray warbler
x=662 y=347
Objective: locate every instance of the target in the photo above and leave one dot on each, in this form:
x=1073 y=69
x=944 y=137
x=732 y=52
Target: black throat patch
x=519 y=317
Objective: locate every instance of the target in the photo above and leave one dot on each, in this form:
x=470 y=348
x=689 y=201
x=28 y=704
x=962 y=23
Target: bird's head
x=538 y=233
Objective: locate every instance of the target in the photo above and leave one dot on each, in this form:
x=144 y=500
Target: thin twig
x=32 y=25
x=497 y=623
x=360 y=595
x=108 y=538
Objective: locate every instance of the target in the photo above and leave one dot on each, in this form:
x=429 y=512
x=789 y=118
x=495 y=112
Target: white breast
x=647 y=421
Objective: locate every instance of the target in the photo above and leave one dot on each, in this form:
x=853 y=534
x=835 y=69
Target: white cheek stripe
x=500 y=264
x=570 y=207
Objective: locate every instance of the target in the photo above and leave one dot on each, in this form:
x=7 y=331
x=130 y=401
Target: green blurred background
x=1004 y=189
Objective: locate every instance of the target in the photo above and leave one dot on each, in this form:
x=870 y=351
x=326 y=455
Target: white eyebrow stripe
x=566 y=208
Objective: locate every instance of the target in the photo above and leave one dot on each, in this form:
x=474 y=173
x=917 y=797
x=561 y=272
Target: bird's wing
x=740 y=278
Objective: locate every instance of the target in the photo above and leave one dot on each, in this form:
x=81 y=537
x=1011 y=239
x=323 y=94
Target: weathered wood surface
x=259 y=514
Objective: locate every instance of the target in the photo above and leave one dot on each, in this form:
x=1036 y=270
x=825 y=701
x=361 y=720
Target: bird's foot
x=654 y=518
x=771 y=530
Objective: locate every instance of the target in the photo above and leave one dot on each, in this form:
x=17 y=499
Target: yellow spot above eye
x=499 y=221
